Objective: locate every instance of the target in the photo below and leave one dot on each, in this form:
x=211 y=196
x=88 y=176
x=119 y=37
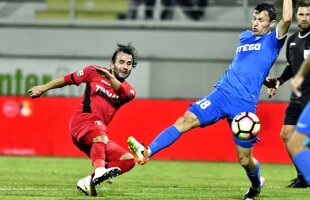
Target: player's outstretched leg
x=86 y=186
x=103 y=174
x=139 y=150
x=253 y=193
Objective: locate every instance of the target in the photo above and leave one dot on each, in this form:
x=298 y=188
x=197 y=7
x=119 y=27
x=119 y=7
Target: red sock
x=124 y=165
x=97 y=154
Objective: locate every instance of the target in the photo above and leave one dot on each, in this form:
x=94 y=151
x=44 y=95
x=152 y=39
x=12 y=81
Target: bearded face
x=303 y=19
x=122 y=66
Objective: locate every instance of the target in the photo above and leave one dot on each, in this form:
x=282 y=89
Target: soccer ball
x=245 y=125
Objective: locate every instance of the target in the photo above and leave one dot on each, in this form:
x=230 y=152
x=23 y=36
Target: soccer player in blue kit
x=236 y=91
x=299 y=143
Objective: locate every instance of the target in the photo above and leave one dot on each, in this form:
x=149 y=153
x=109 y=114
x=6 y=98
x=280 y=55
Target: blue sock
x=164 y=139
x=254 y=176
x=302 y=162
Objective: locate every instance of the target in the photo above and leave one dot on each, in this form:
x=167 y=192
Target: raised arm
x=287 y=15
x=115 y=84
x=38 y=90
x=300 y=76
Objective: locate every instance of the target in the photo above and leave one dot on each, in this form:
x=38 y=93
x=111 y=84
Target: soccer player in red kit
x=106 y=90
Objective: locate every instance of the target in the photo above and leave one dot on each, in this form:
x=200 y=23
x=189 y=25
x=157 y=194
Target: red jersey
x=100 y=101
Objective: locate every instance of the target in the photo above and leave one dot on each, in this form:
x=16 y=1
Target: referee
x=297 y=49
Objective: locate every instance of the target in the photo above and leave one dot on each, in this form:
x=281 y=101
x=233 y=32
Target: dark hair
x=269 y=8
x=128 y=49
x=302 y=4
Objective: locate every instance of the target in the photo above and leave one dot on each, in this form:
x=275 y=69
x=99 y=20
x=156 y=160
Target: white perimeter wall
x=175 y=60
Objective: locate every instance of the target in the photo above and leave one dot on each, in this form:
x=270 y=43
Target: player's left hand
x=104 y=73
x=272 y=84
x=296 y=83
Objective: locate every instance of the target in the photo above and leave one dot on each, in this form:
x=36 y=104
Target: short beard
x=304 y=29
x=120 y=78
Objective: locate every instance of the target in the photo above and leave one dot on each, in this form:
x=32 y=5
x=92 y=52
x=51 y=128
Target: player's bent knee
x=187 y=122
x=244 y=161
x=245 y=165
x=126 y=156
x=101 y=138
x=245 y=157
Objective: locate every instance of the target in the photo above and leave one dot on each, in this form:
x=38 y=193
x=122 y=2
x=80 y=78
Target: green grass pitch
x=35 y=178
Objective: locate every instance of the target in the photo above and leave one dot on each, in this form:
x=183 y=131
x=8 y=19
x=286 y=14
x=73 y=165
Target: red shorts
x=82 y=123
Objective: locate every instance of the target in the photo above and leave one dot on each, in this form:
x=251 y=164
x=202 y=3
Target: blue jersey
x=250 y=66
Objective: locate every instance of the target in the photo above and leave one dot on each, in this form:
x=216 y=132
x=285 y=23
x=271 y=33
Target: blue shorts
x=219 y=105
x=303 y=124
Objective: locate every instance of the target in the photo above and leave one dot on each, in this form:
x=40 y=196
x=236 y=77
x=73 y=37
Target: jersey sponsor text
x=249 y=47
x=106 y=93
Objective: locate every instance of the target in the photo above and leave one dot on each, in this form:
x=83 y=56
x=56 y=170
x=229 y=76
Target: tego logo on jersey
x=249 y=47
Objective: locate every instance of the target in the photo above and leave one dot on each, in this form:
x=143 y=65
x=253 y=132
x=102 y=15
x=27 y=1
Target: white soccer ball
x=245 y=125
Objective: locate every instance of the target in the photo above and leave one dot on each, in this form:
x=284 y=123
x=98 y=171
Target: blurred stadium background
x=180 y=59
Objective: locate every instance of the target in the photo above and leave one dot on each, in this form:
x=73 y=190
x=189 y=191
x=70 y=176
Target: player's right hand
x=104 y=73
x=36 y=91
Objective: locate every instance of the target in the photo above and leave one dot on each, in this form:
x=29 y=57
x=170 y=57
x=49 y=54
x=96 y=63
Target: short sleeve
x=80 y=76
